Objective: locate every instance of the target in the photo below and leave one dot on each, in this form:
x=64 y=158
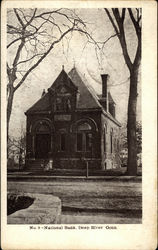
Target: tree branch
x=120 y=34
x=44 y=55
x=14 y=41
x=108 y=39
x=112 y=22
x=26 y=34
x=138 y=54
x=123 y=14
x=48 y=12
x=18 y=52
x=27 y=60
x=18 y=17
x=31 y=19
x=135 y=23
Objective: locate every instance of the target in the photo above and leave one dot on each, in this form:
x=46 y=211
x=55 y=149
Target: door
x=42 y=146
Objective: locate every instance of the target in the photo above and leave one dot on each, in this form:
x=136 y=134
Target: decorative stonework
x=62 y=117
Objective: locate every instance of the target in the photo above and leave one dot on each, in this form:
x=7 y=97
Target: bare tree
x=19 y=143
x=16 y=147
x=117 y=19
x=32 y=35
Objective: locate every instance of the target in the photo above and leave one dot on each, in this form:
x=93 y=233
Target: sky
x=88 y=62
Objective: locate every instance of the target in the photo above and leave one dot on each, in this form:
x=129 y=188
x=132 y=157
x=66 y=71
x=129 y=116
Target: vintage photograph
x=74 y=121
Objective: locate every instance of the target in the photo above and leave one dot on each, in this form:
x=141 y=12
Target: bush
x=16 y=202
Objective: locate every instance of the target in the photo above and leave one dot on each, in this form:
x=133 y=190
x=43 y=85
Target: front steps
x=35 y=165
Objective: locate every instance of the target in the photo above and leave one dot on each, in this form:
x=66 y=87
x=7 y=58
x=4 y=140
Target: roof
x=41 y=105
x=64 y=78
x=87 y=98
x=110 y=99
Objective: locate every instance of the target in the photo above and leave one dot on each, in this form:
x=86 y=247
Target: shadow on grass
x=17 y=202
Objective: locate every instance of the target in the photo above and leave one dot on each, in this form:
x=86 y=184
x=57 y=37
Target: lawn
x=97 y=198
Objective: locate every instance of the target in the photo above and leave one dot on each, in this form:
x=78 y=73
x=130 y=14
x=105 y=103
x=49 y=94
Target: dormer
x=63 y=94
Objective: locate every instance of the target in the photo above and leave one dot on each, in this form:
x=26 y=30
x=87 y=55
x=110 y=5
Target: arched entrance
x=42 y=141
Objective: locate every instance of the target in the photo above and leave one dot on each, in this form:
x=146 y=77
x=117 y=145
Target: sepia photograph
x=78 y=153
x=74 y=116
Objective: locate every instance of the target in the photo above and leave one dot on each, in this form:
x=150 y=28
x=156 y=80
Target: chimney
x=105 y=91
x=104 y=85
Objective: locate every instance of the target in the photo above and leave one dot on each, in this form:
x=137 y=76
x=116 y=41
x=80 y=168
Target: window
x=84 y=137
x=67 y=104
x=59 y=104
x=63 y=104
x=104 y=137
x=118 y=145
x=111 y=140
x=42 y=128
x=62 y=142
x=63 y=100
x=83 y=127
x=88 y=142
x=79 y=142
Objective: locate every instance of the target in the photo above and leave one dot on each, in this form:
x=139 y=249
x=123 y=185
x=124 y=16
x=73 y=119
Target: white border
x=142 y=236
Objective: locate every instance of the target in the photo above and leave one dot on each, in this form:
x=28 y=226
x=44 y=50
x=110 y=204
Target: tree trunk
x=9 y=106
x=131 y=124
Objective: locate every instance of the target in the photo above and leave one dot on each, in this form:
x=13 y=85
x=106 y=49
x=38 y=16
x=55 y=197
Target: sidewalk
x=26 y=176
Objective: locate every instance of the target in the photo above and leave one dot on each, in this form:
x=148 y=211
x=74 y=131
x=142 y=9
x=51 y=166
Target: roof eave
x=37 y=112
x=111 y=117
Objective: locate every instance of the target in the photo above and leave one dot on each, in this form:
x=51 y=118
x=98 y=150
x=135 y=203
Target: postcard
x=78 y=127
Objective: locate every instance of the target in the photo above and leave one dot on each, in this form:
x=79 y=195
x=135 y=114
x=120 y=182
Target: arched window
x=84 y=126
x=84 y=137
x=42 y=128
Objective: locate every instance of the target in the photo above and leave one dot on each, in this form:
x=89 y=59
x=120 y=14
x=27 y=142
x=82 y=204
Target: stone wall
x=46 y=209
x=110 y=152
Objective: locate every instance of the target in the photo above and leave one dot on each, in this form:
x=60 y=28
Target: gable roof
x=41 y=105
x=63 y=78
x=87 y=98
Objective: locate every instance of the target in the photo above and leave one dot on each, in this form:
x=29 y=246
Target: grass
x=101 y=195
x=91 y=202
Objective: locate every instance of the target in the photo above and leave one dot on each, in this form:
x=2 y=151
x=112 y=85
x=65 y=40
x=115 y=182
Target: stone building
x=70 y=124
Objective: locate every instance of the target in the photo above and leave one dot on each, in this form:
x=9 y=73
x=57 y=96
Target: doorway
x=42 y=146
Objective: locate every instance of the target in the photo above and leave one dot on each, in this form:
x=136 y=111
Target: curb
x=73 y=178
x=132 y=212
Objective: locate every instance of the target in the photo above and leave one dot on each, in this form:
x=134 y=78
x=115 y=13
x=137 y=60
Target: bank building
x=71 y=125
